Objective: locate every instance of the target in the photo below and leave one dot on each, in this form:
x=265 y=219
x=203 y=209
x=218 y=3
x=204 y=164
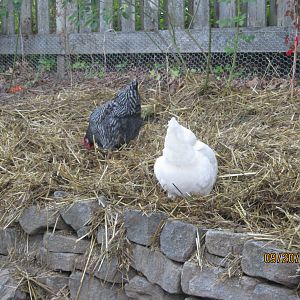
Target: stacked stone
x=168 y=271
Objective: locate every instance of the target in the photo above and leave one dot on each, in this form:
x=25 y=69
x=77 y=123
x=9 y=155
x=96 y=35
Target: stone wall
x=163 y=255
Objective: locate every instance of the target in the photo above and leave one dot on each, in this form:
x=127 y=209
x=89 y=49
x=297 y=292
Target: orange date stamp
x=283 y=258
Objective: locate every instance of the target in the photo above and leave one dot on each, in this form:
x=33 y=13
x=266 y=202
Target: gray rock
x=141 y=289
x=101 y=234
x=83 y=231
x=140 y=227
x=157 y=268
x=178 y=240
x=60 y=194
x=8 y=239
x=108 y=270
x=59 y=242
x=79 y=214
x=215 y=260
x=93 y=289
x=222 y=243
x=253 y=264
x=9 y=287
x=54 y=282
x=58 y=261
x=35 y=221
x=265 y=291
x=208 y=283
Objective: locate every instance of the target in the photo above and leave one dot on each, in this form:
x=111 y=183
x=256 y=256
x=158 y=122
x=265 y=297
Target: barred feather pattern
x=117 y=121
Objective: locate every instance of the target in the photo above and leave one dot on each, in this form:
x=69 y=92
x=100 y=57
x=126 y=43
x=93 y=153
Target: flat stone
x=178 y=240
x=157 y=268
x=101 y=234
x=8 y=239
x=58 y=242
x=34 y=220
x=79 y=214
x=215 y=260
x=54 y=282
x=58 y=261
x=141 y=227
x=266 y=291
x=83 y=231
x=208 y=282
x=94 y=289
x=141 y=289
x=9 y=287
x=222 y=243
x=109 y=270
x=253 y=264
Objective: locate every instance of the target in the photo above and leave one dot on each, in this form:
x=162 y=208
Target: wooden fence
x=164 y=27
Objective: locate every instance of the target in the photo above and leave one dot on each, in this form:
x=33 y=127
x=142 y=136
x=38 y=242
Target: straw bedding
x=255 y=135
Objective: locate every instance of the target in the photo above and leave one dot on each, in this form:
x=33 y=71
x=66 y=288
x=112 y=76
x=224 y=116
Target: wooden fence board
x=266 y=40
x=201 y=13
x=71 y=17
x=25 y=18
x=282 y=7
x=106 y=12
x=128 y=22
x=150 y=15
x=86 y=14
x=43 y=16
x=227 y=11
x=176 y=14
x=256 y=16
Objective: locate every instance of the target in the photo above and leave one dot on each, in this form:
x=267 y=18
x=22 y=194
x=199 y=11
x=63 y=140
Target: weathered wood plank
x=201 y=14
x=282 y=7
x=256 y=16
x=25 y=18
x=150 y=14
x=128 y=21
x=227 y=11
x=71 y=16
x=86 y=13
x=106 y=11
x=176 y=14
x=43 y=16
x=60 y=17
x=121 y=42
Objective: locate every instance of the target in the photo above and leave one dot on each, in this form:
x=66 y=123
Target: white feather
x=187 y=166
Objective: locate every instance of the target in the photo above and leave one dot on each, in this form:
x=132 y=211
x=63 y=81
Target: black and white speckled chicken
x=116 y=122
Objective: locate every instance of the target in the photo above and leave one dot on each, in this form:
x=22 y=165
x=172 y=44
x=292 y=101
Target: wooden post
x=43 y=16
x=106 y=13
x=176 y=13
x=60 y=30
x=128 y=23
x=87 y=9
x=26 y=17
x=227 y=10
x=256 y=15
x=150 y=14
x=201 y=14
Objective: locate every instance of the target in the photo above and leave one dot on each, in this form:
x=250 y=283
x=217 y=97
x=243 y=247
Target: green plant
x=46 y=64
x=80 y=66
x=175 y=72
x=121 y=66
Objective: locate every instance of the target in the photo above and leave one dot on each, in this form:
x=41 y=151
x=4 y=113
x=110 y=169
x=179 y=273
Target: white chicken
x=187 y=165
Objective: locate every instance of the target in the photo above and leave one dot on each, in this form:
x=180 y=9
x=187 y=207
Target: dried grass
x=254 y=133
